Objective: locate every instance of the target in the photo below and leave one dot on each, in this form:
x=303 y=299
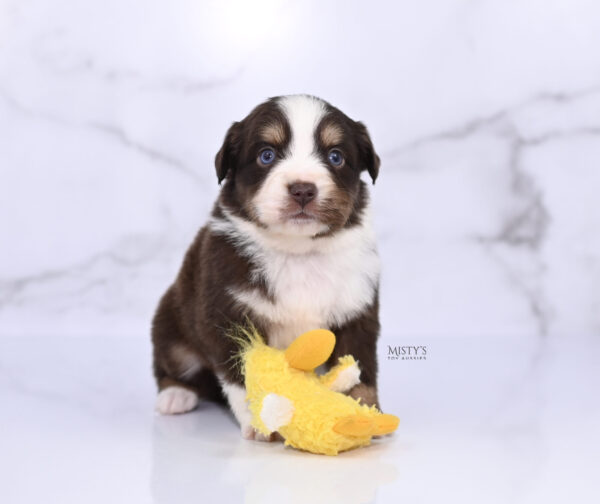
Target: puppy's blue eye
x=335 y=157
x=267 y=156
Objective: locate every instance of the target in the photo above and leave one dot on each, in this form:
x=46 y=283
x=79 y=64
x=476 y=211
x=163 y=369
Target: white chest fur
x=311 y=283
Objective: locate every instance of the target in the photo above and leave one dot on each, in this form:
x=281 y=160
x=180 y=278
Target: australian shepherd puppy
x=289 y=246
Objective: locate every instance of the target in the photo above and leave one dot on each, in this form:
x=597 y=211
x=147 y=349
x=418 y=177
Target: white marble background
x=486 y=115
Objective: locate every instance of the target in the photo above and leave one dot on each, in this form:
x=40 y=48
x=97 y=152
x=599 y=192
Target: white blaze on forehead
x=303 y=114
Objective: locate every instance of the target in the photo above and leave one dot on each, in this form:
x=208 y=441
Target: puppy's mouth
x=301 y=216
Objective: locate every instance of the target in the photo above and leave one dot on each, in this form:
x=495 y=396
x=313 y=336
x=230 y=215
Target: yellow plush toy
x=309 y=411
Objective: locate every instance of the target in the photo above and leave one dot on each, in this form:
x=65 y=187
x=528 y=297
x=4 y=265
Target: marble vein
x=111 y=131
x=525 y=228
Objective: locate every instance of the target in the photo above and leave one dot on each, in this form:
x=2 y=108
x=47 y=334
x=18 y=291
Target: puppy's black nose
x=303 y=192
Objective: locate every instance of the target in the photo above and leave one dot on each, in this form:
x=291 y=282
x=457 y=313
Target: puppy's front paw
x=174 y=400
x=249 y=432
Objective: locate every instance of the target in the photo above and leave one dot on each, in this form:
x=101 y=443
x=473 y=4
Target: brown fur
x=274 y=133
x=331 y=135
x=367 y=393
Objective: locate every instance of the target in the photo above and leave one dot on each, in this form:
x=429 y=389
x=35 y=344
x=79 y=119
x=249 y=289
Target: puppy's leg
x=359 y=339
x=178 y=368
x=236 y=397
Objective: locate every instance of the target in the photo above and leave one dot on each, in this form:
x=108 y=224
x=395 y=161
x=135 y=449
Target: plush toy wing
x=362 y=425
x=276 y=411
x=343 y=376
x=311 y=349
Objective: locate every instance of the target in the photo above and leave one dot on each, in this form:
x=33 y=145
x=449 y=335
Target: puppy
x=289 y=246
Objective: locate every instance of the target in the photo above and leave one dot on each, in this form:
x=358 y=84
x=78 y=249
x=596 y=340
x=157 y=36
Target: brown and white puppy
x=289 y=246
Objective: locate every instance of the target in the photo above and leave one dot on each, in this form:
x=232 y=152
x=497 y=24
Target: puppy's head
x=293 y=166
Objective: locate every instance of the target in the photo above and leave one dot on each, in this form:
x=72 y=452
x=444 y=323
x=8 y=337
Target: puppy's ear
x=368 y=157
x=226 y=158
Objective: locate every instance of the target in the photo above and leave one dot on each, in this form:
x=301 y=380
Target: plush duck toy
x=310 y=412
